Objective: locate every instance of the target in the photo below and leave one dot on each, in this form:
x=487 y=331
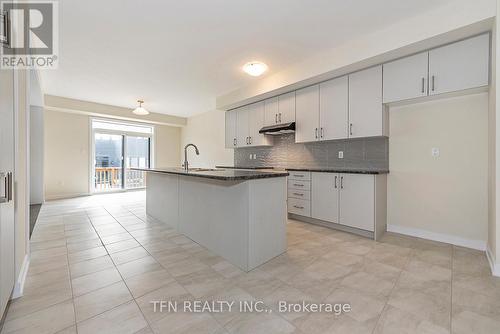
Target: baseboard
x=56 y=197
x=495 y=268
x=446 y=238
x=19 y=285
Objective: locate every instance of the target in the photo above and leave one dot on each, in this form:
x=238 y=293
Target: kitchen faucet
x=186 y=164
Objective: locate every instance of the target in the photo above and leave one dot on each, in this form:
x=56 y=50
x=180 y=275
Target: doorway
x=117 y=148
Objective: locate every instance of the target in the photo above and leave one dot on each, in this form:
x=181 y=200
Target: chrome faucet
x=186 y=164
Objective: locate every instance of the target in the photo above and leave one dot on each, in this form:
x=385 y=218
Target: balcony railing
x=109 y=178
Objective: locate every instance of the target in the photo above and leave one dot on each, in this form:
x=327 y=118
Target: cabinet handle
x=350 y=129
x=298 y=175
x=298 y=207
x=250 y=140
x=276 y=118
x=247 y=140
x=341 y=182
x=234 y=141
x=316 y=133
x=11 y=186
x=321 y=134
x=423 y=85
x=336 y=181
x=298 y=185
x=280 y=117
x=298 y=194
x=432 y=84
x=5 y=198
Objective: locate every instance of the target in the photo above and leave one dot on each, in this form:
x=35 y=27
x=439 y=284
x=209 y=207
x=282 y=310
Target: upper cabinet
x=231 y=139
x=450 y=68
x=333 y=109
x=366 y=112
x=406 y=78
x=280 y=109
x=286 y=108
x=307 y=114
x=460 y=65
x=243 y=125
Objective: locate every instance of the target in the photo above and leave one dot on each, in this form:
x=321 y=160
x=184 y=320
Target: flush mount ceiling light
x=255 y=68
x=140 y=110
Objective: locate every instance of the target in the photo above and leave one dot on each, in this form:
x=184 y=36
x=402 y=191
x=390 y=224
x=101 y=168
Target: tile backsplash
x=358 y=153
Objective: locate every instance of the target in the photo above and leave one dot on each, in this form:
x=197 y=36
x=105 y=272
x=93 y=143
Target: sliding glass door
x=118 y=147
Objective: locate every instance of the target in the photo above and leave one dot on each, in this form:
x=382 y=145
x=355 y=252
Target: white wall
x=67 y=152
x=447 y=195
x=36 y=155
x=207 y=131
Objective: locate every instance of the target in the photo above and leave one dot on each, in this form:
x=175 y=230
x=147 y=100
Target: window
x=117 y=147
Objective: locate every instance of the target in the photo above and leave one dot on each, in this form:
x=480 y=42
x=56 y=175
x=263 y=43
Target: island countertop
x=346 y=170
x=218 y=174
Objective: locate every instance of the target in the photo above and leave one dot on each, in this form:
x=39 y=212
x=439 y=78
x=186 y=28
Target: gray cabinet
x=325 y=196
x=307 y=114
x=333 y=109
x=286 y=108
x=460 y=65
x=357 y=201
x=406 y=78
x=366 y=112
x=231 y=139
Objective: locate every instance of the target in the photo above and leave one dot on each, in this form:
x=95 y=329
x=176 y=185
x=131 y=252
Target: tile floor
x=98 y=261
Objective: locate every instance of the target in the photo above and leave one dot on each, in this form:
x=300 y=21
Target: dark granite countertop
x=342 y=170
x=322 y=170
x=243 y=167
x=218 y=174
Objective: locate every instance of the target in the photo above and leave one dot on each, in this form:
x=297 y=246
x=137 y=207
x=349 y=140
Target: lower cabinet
x=348 y=199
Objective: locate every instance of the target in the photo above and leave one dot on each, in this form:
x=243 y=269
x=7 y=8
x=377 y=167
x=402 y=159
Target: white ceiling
x=180 y=55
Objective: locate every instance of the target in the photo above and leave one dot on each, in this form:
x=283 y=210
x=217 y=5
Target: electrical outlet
x=254 y=156
x=341 y=154
x=435 y=152
x=250 y=157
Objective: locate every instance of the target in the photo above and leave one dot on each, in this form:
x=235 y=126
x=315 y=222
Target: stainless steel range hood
x=278 y=129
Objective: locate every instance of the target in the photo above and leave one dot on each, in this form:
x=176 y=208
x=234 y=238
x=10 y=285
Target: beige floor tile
x=173 y=292
x=46 y=278
x=186 y=323
x=85 y=284
x=83 y=245
x=101 y=300
x=69 y=330
x=42 y=265
x=87 y=254
x=129 y=255
x=261 y=323
x=368 y=284
x=90 y=266
x=139 y=266
x=35 y=246
x=116 y=238
x=147 y=282
x=40 y=298
x=467 y=322
x=204 y=283
x=124 y=319
x=363 y=308
x=396 y=321
x=258 y=283
x=121 y=246
x=46 y=321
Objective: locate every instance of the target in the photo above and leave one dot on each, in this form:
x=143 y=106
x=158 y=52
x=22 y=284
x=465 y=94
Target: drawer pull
x=297 y=194
x=298 y=185
x=298 y=207
x=298 y=175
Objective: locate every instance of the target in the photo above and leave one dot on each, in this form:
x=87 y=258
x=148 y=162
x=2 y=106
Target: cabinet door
x=325 y=196
x=271 y=111
x=406 y=78
x=365 y=103
x=357 y=201
x=460 y=65
x=286 y=108
x=307 y=114
x=242 y=127
x=255 y=123
x=333 y=109
x=231 y=140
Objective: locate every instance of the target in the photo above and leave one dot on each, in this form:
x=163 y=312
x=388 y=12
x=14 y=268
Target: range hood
x=278 y=129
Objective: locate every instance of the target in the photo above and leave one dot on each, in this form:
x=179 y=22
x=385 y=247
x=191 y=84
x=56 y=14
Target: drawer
x=298 y=175
x=299 y=207
x=298 y=184
x=300 y=194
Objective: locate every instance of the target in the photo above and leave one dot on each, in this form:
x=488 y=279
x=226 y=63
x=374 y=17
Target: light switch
x=250 y=157
x=435 y=152
x=255 y=156
x=341 y=154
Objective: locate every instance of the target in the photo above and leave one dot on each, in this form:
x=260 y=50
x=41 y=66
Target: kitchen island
x=239 y=215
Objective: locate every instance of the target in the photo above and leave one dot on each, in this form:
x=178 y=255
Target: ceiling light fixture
x=140 y=110
x=255 y=68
